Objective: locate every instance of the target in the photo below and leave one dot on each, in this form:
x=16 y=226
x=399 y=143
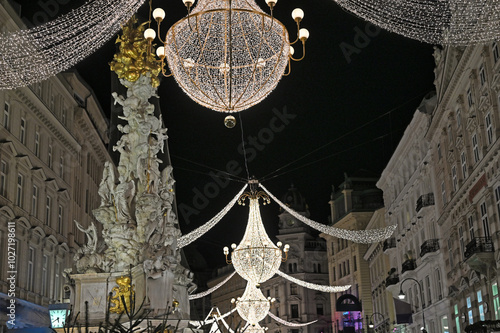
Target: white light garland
x=453 y=22
x=211 y=290
x=357 y=236
x=308 y=285
x=200 y=231
x=289 y=324
x=33 y=55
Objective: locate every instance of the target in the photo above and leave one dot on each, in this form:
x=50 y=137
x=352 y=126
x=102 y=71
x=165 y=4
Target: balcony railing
x=408 y=265
x=425 y=200
x=389 y=244
x=478 y=245
x=429 y=246
x=391 y=280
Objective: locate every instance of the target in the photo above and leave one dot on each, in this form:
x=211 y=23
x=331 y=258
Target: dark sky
x=343 y=108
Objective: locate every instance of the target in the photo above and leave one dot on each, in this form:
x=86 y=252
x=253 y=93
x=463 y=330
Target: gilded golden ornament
x=229 y=121
x=123 y=293
x=134 y=57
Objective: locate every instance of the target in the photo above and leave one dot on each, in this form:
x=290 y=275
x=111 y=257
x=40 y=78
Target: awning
x=403 y=312
x=27 y=314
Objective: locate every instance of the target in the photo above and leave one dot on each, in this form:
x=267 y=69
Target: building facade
x=464 y=155
x=306 y=261
x=415 y=249
x=52 y=149
x=352 y=207
x=383 y=315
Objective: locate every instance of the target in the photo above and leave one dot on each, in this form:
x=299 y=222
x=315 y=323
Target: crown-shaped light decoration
x=256 y=258
x=253 y=306
x=227 y=55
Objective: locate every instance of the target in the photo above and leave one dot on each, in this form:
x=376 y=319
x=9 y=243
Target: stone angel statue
x=91 y=233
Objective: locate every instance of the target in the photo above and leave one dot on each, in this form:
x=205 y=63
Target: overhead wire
x=268 y=176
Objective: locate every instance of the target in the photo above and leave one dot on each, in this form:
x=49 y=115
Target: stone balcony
x=389 y=244
x=429 y=249
x=479 y=254
x=425 y=200
x=408 y=265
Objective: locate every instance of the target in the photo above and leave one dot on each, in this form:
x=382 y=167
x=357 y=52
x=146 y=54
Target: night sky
x=342 y=109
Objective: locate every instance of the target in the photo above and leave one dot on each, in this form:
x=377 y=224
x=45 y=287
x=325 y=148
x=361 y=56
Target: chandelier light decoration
x=256 y=258
x=357 y=236
x=33 y=55
x=253 y=306
x=227 y=55
x=444 y=22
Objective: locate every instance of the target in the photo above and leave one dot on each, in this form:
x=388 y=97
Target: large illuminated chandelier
x=253 y=306
x=256 y=258
x=453 y=22
x=227 y=55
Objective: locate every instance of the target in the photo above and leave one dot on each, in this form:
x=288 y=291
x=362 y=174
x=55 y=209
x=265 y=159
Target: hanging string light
x=33 y=55
x=288 y=323
x=227 y=55
x=200 y=231
x=211 y=290
x=444 y=22
x=313 y=286
x=357 y=236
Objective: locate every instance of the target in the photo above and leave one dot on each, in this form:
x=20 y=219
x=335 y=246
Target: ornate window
x=475 y=148
x=34 y=201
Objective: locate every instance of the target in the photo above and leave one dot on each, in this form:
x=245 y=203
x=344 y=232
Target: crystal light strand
x=445 y=22
x=313 y=286
x=357 y=236
x=287 y=323
x=198 y=232
x=33 y=55
x=211 y=290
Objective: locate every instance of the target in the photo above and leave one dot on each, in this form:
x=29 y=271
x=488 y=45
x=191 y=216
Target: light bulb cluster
x=33 y=55
x=227 y=55
x=444 y=22
x=200 y=231
x=314 y=286
x=357 y=236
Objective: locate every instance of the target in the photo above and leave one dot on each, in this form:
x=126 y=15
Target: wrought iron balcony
x=391 y=280
x=389 y=244
x=408 y=265
x=429 y=246
x=478 y=245
x=425 y=200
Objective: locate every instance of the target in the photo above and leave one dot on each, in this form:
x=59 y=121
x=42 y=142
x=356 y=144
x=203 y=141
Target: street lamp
x=402 y=296
x=370 y=325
